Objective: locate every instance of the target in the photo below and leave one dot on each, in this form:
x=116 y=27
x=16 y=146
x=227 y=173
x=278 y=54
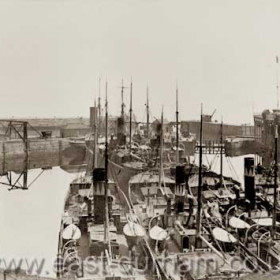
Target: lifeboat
x=226 y=239
x=237 y=223
x=71 y=232
x=158 y=234
x=223 y=236
x=133 y=230
x=264 y=222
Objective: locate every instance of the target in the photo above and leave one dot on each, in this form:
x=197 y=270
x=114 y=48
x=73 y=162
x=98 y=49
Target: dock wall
x=40 y=153
x=211 y=131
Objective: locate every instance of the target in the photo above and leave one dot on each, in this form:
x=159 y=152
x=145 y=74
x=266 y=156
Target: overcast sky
x=221 y=52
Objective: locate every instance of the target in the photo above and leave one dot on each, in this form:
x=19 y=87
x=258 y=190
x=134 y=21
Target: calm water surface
x=30 y=220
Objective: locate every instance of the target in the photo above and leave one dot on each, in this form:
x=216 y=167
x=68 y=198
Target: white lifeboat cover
x=237 y=223
x=133 y=230
x=158 y=233
x=71 y=232
x=223 y=236
x=102 y=147
x=264 y=222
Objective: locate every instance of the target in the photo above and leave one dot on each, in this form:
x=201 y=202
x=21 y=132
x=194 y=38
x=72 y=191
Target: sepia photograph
x=139 y=140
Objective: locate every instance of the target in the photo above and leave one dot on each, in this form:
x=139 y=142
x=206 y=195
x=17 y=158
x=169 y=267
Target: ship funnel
x=93 y=116
x=158 y=132
x=98 y=178
x=98 y=175
x=180 y=189
x=249 y=181
x=180 y=174
x=168 y=210
x=121 y=131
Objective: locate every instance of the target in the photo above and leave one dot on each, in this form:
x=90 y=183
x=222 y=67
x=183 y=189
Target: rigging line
x=113 y=172
x=129 y=192
x=236 y=175
x=194 y=158
x=163 y=182
x=88 y=150
x=90 y=190
x=213 y=160
x=225 y=186
x=230 y=168
x=207 y=160
x=214 y=239
x=214 y=166
x=149 y=248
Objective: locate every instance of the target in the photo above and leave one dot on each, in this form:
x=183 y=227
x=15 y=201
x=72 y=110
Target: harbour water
x=30 y=220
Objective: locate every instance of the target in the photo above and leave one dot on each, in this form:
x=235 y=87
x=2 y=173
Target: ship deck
x=95 y=267
x=201 y=265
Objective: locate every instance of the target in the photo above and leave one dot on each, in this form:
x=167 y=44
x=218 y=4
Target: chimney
x=93 y=116
x=180 y=189
x=121 y=131
x=98 y=178
x=249 y=181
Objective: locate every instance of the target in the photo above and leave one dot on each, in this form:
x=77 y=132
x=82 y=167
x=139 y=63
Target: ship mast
x=106 y=227
x=122 y=91
x=275 y=181
x=95 y=163
x=221 y=155
x=177 y=128
x=277 y=82
x=99 y=108
x=199 y=205
x=148 y=116
x=130 y=118
x=161 y=152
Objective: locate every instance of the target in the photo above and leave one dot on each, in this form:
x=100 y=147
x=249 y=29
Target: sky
x=220 y=53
